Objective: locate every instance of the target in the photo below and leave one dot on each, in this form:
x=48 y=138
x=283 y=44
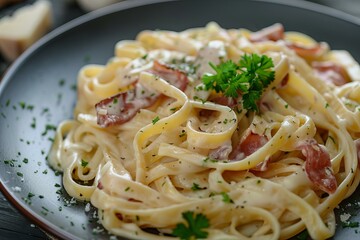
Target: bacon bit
x=119 y=216
x=357 y=145
x=307 y=52
x=272 y=33
x=318 y=166
x=123 y=107
x=331 y=72
x=100 y=186
x=175 y=77
x=248 y=145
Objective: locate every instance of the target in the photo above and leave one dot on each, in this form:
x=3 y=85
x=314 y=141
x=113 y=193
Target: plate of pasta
x=133 y=122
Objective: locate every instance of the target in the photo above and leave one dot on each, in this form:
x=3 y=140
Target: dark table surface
x=13 y=225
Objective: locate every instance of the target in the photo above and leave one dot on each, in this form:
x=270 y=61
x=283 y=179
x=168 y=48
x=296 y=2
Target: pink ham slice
x=248 y=145
x=276 y=32
x=175 y=77
x=272 y=33
x=122 y=107
x=311 y=52
x=330 y=72
x=318 y=166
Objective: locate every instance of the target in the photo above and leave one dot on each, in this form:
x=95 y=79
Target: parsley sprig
x=193 y=230
x=250 y=77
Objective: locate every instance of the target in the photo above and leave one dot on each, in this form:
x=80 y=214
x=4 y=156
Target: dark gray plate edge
x=318 y=8
x=42 y=222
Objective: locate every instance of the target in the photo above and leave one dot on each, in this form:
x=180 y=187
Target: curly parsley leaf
x=249 y=77
x=193 y=228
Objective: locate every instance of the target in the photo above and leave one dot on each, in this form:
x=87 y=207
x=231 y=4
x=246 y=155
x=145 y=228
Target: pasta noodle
x=181 y=148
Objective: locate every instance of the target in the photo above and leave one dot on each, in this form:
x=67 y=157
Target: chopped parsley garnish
x=226 y=198
x=196 y=187
x=194 y=227
x=30 y=195
x=249 y=77
x=61 y=82
x=33 y=123
x=48 y=127
x=350 y=224
x=155 y=120
x=84 y=163
x=22 y=105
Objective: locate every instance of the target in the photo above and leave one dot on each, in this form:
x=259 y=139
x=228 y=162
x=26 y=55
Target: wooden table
x=13 y=225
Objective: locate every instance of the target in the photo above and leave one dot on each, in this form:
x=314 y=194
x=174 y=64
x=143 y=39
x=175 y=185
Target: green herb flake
x=73 y=87
x=61 y=82
x=10 y=162
x=155 y=120
x=196 y=187
x=226 y=198
x=84 y=163
x=350 y=224
x=33 y=123
x=48 y=127
x=30 y=195
x=193 y=229
x=19 y=174
x=44 y=110
x=22 y=105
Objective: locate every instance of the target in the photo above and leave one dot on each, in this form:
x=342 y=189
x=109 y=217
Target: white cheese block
x=23 y=28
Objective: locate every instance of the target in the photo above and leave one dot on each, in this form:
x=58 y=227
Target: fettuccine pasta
x=149 y=143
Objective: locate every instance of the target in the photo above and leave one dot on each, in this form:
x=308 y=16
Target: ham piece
x=122 y=107
x=318 y=166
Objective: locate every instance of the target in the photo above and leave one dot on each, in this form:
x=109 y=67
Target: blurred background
x=63 y=11
x=12 y=224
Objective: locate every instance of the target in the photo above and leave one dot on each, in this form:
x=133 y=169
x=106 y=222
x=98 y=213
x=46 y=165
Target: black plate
x=38 y=90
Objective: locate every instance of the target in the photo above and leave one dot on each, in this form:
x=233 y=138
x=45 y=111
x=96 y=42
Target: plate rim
x=45 y=225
